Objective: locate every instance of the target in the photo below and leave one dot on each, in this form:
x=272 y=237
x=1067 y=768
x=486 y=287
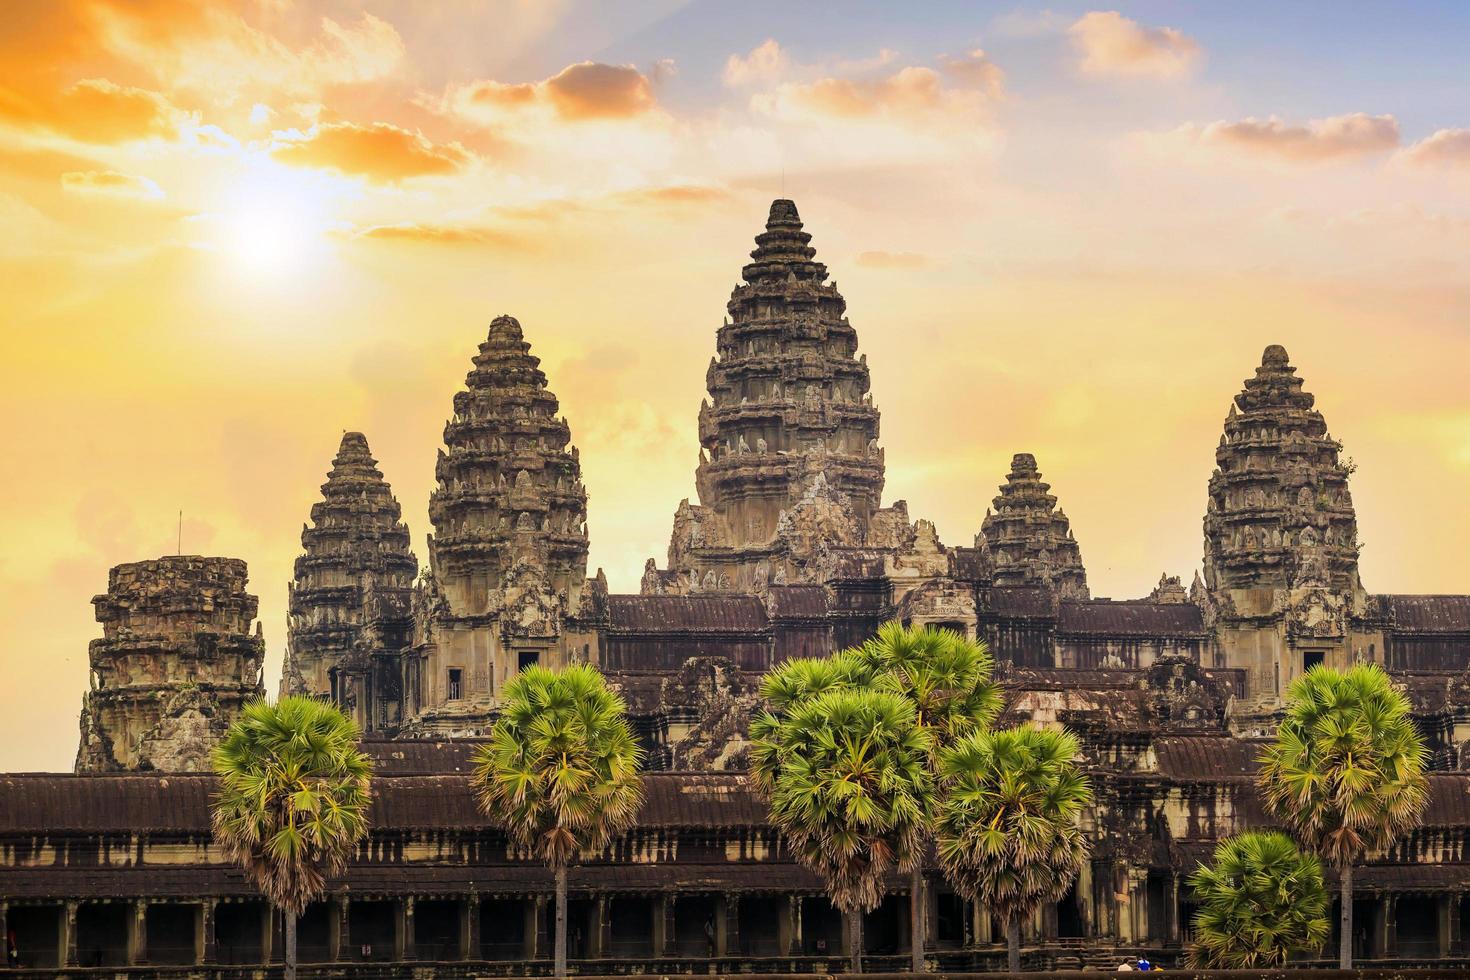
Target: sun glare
x=273 y=222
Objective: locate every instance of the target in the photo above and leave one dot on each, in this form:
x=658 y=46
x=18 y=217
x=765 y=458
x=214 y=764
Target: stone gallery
x=788 y=551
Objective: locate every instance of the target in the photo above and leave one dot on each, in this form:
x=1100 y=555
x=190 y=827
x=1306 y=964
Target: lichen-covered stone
x=176 y=662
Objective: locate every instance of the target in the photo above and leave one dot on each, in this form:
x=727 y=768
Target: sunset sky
x=233 y=230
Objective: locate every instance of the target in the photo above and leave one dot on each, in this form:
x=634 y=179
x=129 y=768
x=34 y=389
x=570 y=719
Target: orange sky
x=234 y=230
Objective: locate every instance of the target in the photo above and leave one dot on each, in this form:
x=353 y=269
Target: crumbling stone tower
x=1281 y=538
x=790 y=473
x=175 y=664
x=1029 y=537
x=350 y=605
x=508 y=556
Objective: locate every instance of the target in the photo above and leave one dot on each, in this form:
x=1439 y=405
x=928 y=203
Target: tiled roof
x=1020 y=601
x=686 y=614
x=1429 y=613
x=1131 y=618
x=798 y=601
x=1207 y=756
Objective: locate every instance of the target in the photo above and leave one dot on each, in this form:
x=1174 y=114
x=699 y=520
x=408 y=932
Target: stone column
x=276 y=929
x=535 y=932
x=403 y=933
x=204 y=939
x=138 y=933
x=599 y=929
x=5 y=930
x=1390 y=925
x=469 y=927
x=727 y=924
x=663 y=916
x=1171 y=912
x=1456 y=901
x=338 y=940
x=1446 y=910
x=788 y=931
x=66 y=953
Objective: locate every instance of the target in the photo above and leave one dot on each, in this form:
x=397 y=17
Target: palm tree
x=560 y=772
x=1259 y=901
x=948 y=678
x=1346 y=771
x=1007 y=829
x=846 y=774
x=292 y=802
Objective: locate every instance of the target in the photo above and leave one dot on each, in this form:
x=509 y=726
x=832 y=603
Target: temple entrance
x=502 y=929
x=102 y=933
x=1069 y=915
x=885 y=927
x=436 y=930
x=370 y=931
x=238 y=927
x=171 y=933
x=582 y=926
x=760 y=924
x=314 y=934
x=1417 y=921
x=695 y=926
x=1158 y=906
x=947 y=931
x=37 y=931
x=821 y=927
x=630 y=926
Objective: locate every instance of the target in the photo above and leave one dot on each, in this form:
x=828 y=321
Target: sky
x=234 y=230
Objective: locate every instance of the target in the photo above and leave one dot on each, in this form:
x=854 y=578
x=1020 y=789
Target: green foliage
x=1346 y=771
x=1007 y=831
x=852 y=791
x=560 y=772
x=293 y=796
x=1261 y=900
x=946 y=676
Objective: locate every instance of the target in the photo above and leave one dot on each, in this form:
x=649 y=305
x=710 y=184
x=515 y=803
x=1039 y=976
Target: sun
x=273 y=222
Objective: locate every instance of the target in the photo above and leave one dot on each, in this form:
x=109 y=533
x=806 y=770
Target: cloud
x=1111 y=44
x=1446 y=147
x=674 y=194
x=893 y=260
x=96 y=110
x=766 y=64
x=1352 y=135
x=975 y=69
x=111 y=183
x=430 y=234
x=585 y=91
x=380 y=151
x=908 y=91
x=221 y=53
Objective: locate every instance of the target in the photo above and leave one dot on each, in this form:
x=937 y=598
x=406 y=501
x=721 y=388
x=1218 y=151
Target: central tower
x=790 y=474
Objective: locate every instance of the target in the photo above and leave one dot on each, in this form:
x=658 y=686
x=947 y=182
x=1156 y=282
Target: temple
x=790 y=551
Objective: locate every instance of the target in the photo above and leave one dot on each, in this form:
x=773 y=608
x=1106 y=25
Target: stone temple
x=787 y=550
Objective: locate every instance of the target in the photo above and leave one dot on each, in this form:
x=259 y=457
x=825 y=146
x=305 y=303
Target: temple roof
x=1029 y=538
x=1429 y=613
x=686 y=613
x=1131 y=618
x=51 y=803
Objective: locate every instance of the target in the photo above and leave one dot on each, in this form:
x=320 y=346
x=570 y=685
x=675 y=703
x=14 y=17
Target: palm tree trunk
x=290 y=944
x=1013 y=944
x=561 y=922
x=1345 y=921
x=855 y=940
x=916 y=920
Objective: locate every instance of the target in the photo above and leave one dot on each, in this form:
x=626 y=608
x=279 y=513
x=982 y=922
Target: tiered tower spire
x=1280 y=514
x=508 y=556
x=351 y=599
x=789 y=434
x=1029 y=537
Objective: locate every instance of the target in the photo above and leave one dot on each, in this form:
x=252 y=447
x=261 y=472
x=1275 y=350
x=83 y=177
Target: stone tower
x=508 y=556
x=175 y=664
x=1281 y=539
x=1029 y=537
x=790 y=473
x=350 y=605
